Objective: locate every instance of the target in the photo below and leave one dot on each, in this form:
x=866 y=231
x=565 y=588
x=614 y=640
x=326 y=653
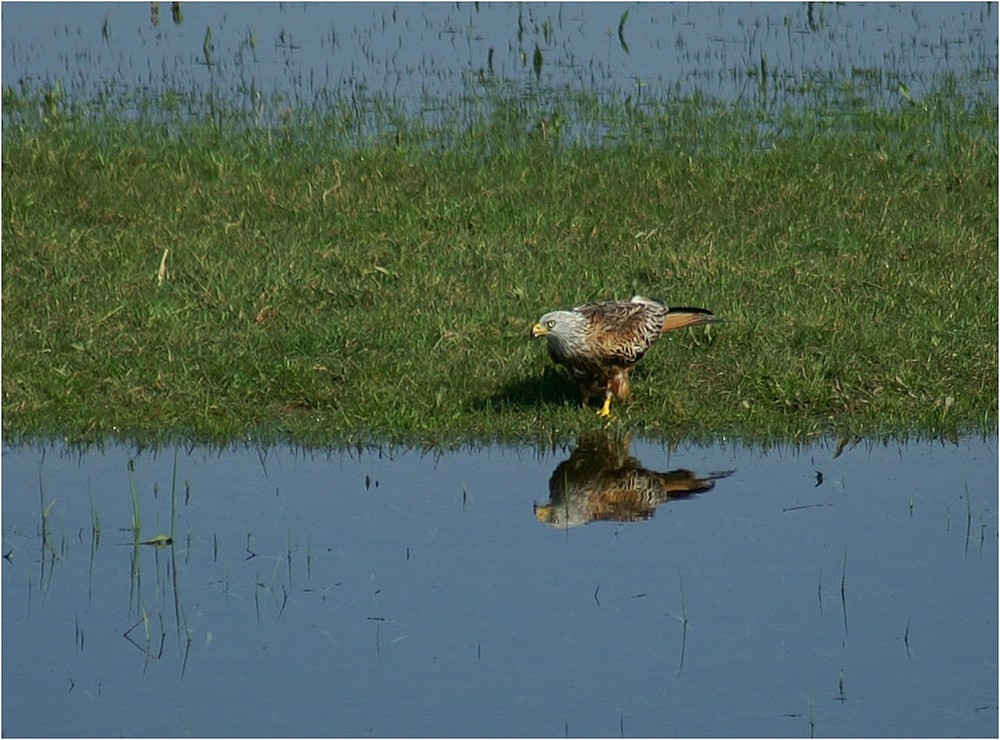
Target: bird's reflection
x=601 y=481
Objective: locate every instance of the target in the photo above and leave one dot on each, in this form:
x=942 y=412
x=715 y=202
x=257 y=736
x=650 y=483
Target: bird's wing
x=621 y=330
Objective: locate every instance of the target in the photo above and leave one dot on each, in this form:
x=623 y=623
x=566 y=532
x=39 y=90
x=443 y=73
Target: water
x=271 y=60
x=393 y=592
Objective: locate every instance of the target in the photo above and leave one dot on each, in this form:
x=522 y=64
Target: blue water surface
x=393 y=592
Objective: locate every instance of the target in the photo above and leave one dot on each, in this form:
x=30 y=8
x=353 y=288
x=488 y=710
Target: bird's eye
x=550 y=323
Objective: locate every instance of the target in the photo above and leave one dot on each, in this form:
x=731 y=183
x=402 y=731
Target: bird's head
x=545 y=514
x=556 y=324
x=548 y=515
x=560 y=516
x=539 y=330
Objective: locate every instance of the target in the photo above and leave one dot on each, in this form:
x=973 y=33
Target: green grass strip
x=293 y=283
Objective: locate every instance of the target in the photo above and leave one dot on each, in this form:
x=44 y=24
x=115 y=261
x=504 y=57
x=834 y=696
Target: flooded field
x=604 y=589
x=271 y=60
x=611 y=587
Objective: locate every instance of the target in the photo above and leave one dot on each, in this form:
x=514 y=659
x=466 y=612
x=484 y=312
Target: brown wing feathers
x=622 y=330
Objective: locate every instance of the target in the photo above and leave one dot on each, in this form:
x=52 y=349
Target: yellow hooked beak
x=538 y=331
x=545 y=514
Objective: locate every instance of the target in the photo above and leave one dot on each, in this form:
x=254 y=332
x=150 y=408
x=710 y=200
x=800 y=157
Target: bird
x=601 y=481
x=600 y=343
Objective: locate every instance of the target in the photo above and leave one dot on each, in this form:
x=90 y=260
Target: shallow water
x=422 y=56
x=391 y=592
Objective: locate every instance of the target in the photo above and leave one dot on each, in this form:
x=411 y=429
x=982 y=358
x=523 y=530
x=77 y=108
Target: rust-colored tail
x=679 y=318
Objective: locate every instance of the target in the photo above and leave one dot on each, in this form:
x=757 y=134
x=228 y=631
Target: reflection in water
x=348 y=592
x=601 y=481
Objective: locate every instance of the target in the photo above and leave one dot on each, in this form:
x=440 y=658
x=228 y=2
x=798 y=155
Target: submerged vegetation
x=205 y=277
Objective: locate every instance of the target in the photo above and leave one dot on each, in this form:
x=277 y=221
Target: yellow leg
x=606 y=408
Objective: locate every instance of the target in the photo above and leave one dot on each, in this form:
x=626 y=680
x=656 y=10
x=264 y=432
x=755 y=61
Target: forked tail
x=680 y=318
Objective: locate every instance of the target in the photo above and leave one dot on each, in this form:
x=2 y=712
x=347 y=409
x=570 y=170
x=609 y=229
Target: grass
x=199 y=280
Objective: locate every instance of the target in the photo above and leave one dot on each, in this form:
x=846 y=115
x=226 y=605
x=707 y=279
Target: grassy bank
x=322 y=292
